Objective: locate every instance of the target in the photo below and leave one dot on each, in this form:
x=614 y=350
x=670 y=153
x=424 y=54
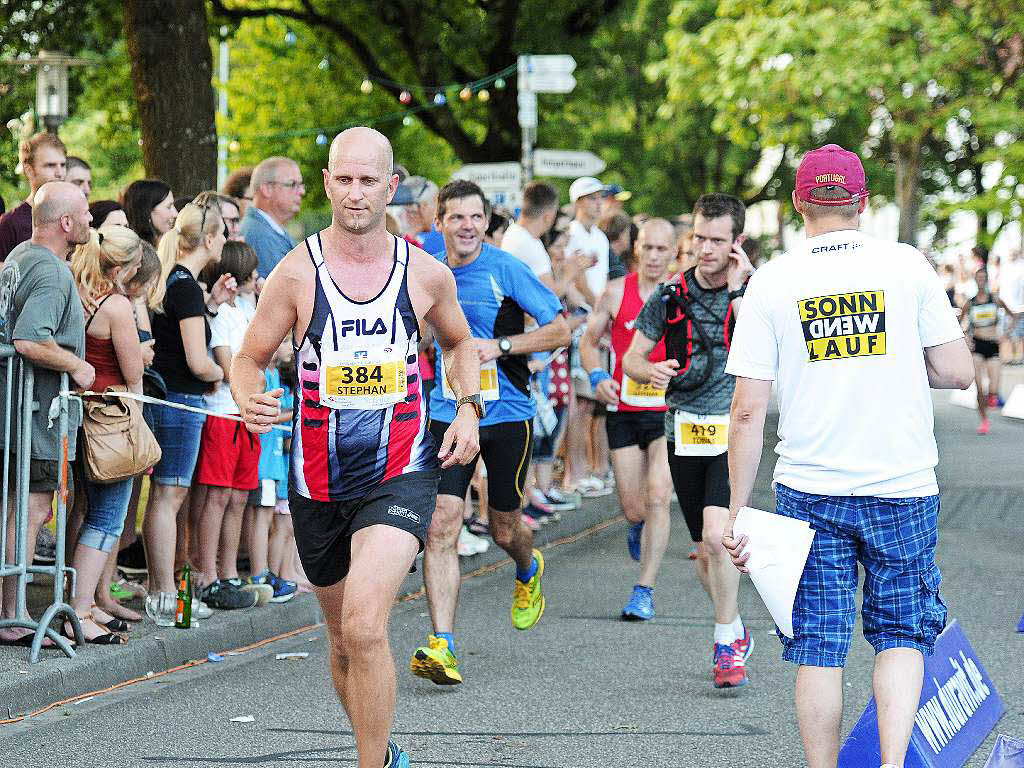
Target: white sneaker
x=591 y=487
x=470 y=544
x=200 y=610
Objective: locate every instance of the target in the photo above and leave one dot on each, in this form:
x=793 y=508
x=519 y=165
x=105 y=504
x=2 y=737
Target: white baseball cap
x=583 y=186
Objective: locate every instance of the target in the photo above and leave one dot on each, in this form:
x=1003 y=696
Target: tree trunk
x=172 y=68
x=908 y=181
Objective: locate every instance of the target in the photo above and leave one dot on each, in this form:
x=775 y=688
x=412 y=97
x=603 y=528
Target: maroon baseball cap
x=831 y=166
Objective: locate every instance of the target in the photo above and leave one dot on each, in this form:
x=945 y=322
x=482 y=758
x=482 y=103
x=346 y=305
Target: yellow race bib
x=698 y=435
x=488 y=382
x=373 y=380
x=640 y=395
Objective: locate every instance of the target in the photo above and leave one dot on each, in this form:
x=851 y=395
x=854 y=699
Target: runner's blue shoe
x=633 y=539
x=396 y=758
x=640 y=606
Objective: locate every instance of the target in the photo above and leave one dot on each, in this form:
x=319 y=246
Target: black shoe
x=132 y=559
x=46 y=547
x=228 y=595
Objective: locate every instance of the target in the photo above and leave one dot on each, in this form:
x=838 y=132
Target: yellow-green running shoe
x=435 y=662
x=528 y=604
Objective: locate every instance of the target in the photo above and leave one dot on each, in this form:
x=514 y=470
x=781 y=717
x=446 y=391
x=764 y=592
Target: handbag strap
x=96 y=311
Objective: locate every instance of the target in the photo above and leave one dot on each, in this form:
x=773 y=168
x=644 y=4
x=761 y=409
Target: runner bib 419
x=641 y=395
x=363 y=379
x=698 y=435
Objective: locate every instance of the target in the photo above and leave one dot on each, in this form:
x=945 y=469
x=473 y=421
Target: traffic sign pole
x=539 y=74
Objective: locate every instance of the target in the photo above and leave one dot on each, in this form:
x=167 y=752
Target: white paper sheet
x=778 y=548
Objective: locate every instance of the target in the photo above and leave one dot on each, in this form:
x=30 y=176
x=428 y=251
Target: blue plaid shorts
x=894 y=539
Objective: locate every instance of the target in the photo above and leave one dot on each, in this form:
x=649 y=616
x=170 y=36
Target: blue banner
x=1007 y=753
x=959 y=707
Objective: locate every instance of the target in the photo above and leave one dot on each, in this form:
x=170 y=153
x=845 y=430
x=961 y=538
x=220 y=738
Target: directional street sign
x=501 y=182
x=566 y=164
x=547 y=64
x=553 y=82
x=527 y=109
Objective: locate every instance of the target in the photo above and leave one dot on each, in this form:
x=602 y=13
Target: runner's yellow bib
x=368 y=379
x=640 y=395
x=698 y=435
x=488 y=382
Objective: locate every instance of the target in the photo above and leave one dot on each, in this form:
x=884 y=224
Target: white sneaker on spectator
x=592 y=487
x=469 y=544
x=200 y=610
x=558 y=498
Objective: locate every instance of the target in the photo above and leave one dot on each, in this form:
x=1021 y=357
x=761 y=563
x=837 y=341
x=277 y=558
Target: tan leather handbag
x=118 y=442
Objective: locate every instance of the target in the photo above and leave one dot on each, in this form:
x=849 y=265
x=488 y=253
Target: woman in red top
x=101 y=267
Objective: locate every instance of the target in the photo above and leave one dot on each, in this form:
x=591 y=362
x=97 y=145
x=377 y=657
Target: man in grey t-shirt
x=48 y=330
x=695 y=313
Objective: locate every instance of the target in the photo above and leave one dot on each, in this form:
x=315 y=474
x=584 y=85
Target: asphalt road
x=582 y=688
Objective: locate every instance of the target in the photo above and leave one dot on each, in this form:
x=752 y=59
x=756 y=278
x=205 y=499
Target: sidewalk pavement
x=26 y=687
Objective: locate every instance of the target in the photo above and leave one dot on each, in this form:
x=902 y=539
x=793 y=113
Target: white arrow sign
x=501 y=182
x=566 y=164
x=550 y=82
x=550 y=64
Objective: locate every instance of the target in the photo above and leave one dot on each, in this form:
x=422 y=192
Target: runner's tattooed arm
x=746 y=439
x=448 y=323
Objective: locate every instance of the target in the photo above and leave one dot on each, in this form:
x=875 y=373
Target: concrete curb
x=27 y=687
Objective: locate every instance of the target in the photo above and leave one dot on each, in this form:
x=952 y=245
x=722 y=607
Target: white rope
x=158 y=401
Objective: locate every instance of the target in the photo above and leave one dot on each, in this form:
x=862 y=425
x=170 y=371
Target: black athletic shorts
x=987 y=349
x=640 y=428
x=699 y=481
x=505 y=449
x=324 y=529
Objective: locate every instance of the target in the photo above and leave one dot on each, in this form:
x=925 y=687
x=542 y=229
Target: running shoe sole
x=423 y=665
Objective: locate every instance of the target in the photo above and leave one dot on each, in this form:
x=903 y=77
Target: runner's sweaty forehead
x=361 y=146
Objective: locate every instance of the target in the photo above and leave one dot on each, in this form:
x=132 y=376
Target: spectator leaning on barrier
x=857 y=455
x=182 y=334
x=277 y=191
x=149 y=206
x=43 y=158
x=79 y=173
x=48 y=330
x=101 y=269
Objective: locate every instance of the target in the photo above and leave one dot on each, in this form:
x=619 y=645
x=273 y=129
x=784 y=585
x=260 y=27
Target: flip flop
x=25 y=641
x=117 y=625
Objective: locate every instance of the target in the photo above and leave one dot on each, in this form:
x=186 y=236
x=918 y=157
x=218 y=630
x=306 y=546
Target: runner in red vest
x=636 y=412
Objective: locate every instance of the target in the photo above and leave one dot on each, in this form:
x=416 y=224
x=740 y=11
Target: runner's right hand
x=608 y=392
x=262 y=410
x=663 y=373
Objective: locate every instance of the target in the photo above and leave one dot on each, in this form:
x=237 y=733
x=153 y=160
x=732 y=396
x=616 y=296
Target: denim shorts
x=107 y=506
x=178 y=433
x=894 y=540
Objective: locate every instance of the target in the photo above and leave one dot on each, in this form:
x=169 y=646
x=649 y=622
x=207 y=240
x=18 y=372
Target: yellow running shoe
x=435 y=662
x=528 y=605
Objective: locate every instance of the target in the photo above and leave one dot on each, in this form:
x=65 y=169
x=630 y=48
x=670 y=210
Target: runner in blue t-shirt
x=496 y=292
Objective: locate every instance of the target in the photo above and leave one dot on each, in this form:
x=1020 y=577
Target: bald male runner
x=636 y=412
x=364 y=467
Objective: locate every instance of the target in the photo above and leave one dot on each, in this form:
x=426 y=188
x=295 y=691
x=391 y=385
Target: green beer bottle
x=183 y=615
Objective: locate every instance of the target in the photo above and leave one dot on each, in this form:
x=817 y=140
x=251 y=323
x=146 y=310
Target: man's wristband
x=597 y=376
x=209 y=311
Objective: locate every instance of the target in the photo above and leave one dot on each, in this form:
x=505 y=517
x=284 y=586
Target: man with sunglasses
x=277 y=191
x=695 y=314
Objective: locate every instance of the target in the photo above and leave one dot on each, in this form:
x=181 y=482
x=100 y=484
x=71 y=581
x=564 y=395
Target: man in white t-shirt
x=522 y=239
x=852 y=330
x=584 y=234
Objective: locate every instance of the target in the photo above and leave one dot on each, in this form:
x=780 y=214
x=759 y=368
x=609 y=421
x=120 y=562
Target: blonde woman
x=182 y=333
x=101 y=268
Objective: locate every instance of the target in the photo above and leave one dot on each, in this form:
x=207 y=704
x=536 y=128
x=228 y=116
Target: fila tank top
x=633 y=396
x=359 y=416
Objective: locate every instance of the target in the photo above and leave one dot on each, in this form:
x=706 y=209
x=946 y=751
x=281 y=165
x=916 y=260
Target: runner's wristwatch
x=476 y=401
x=504 y=345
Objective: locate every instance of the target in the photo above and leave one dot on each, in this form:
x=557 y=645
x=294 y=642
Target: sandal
x=477 y=526
x=109 y=638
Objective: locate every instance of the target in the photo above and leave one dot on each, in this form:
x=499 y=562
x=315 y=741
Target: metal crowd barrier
x=17 y=440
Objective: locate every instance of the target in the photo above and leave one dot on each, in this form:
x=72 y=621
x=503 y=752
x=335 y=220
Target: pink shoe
x=983 y=427
x=530 y=522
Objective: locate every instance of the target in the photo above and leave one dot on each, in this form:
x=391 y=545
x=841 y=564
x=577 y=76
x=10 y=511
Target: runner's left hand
x=740 y=268
x=735 y=546
x=461 y=441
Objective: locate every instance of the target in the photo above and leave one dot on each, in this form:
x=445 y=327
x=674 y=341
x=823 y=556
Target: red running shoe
x=730 y=667
x=983 y=427
x=744 y=645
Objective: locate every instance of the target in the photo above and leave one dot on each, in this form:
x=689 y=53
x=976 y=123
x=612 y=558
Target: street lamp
x=51 y=85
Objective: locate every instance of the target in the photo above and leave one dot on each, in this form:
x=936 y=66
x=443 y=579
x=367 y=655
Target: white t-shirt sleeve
x=220 y=329
x=754 y=352
x=936 y=320
x=527 y=249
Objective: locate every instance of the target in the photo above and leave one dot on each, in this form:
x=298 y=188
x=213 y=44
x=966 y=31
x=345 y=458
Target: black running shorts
x=505 y=449
x=699 y=481
x=986 y=349
x=640 y=428
x=324 y=529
